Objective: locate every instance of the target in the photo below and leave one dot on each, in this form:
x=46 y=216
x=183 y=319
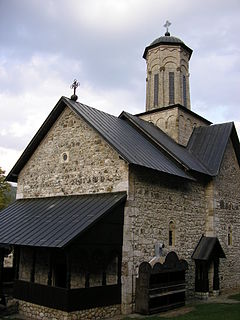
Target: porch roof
x=54 y=221
x=208 y=247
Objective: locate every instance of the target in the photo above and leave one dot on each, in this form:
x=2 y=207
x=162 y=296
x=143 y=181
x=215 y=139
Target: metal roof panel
x=54 y=221
x=132 y=145
x=180 y=153
x=208 y=144
x=206 y=247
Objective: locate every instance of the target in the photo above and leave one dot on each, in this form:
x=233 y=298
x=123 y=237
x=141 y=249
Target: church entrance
x=206 y=256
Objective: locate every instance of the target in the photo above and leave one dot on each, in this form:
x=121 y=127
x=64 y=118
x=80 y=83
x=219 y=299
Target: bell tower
x=167 y=81
x=167 y=88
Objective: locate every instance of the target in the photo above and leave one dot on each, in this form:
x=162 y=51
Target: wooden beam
x=69 y=267
x=32 y=276
x=16 y=259
x=50 y=267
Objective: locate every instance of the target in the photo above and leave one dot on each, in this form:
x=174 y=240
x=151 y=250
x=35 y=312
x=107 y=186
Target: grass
x=235 y=297
x=208 y=311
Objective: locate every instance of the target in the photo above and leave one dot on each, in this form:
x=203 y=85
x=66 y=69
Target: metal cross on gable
x=74 y=87
x=166 y=25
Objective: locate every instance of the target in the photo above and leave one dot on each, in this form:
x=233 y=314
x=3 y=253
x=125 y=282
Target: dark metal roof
x=169 y=40
x=208 y=144
x=128 y=142
x=207 y=247
x=178 y=152
x=55 y=221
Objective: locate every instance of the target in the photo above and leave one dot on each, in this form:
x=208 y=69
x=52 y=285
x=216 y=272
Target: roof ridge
x=120 y=117
x=87 y=106
x=154 y=140
x=159 y=144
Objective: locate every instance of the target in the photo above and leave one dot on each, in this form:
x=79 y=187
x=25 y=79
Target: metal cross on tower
x=166 y=25
x=74 y=87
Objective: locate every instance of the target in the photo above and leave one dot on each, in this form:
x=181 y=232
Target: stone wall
x=227 y=213
x=154 y=201
x=33 y=311
x=175 y=122
x=72 y=159
x=207 y=207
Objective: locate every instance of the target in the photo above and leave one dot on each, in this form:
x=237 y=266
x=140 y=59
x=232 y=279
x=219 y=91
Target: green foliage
x=5 y=188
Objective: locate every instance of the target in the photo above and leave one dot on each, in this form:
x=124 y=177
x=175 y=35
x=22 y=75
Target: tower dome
x=166 y=39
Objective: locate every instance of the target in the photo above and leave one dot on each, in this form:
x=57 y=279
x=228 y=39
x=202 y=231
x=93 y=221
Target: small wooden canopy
x=208 y=248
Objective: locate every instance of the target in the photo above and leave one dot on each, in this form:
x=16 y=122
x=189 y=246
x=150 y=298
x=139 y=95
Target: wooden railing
x=67 y=299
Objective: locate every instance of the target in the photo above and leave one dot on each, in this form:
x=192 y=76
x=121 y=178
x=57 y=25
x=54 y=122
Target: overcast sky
x=44 y=45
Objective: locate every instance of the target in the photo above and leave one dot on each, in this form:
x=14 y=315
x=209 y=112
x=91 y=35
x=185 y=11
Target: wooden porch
x=67 y=299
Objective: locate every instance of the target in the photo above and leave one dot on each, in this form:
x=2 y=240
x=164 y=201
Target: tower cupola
x=167 y=81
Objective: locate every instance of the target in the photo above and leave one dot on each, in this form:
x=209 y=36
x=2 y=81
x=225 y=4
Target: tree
x=5 y=189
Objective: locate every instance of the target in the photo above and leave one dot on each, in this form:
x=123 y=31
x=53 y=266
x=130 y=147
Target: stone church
x=131 y=213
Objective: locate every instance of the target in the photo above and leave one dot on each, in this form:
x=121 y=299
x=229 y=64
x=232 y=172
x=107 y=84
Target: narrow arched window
x=184 y=88
x=230 y=235
x=156 y=85
x=171 y=234
x=171 y=88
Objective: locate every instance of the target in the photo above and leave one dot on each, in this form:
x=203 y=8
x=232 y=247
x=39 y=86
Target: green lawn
x=206 y=311
x=235 y=297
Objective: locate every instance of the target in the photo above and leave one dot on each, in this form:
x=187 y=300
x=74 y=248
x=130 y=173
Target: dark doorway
x=60 y=275
x=59 y=269
x=206 y=256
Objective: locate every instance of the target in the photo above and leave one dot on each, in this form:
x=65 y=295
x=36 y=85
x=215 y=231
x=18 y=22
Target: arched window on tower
x=229 y=235
x=171 y=234
x=184 y=88
x=156 y=86
x=171 y=88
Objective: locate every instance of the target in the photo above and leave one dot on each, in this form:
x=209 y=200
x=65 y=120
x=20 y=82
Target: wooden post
x=1 y=268
x=16 y=259
x=205 y=277
x=49 y=282
x=32 y=277
x=2 y=296
x=216 y=274
x=69 y=262
x=197 y=276
x=104 y=278
x=119 y=268
x=87 y=279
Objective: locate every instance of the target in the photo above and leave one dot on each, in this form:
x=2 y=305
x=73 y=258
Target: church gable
x=209 y=144
x=72 y=159
x=230 y=163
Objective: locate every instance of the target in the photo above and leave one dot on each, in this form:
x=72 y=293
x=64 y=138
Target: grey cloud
x=112 y=58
